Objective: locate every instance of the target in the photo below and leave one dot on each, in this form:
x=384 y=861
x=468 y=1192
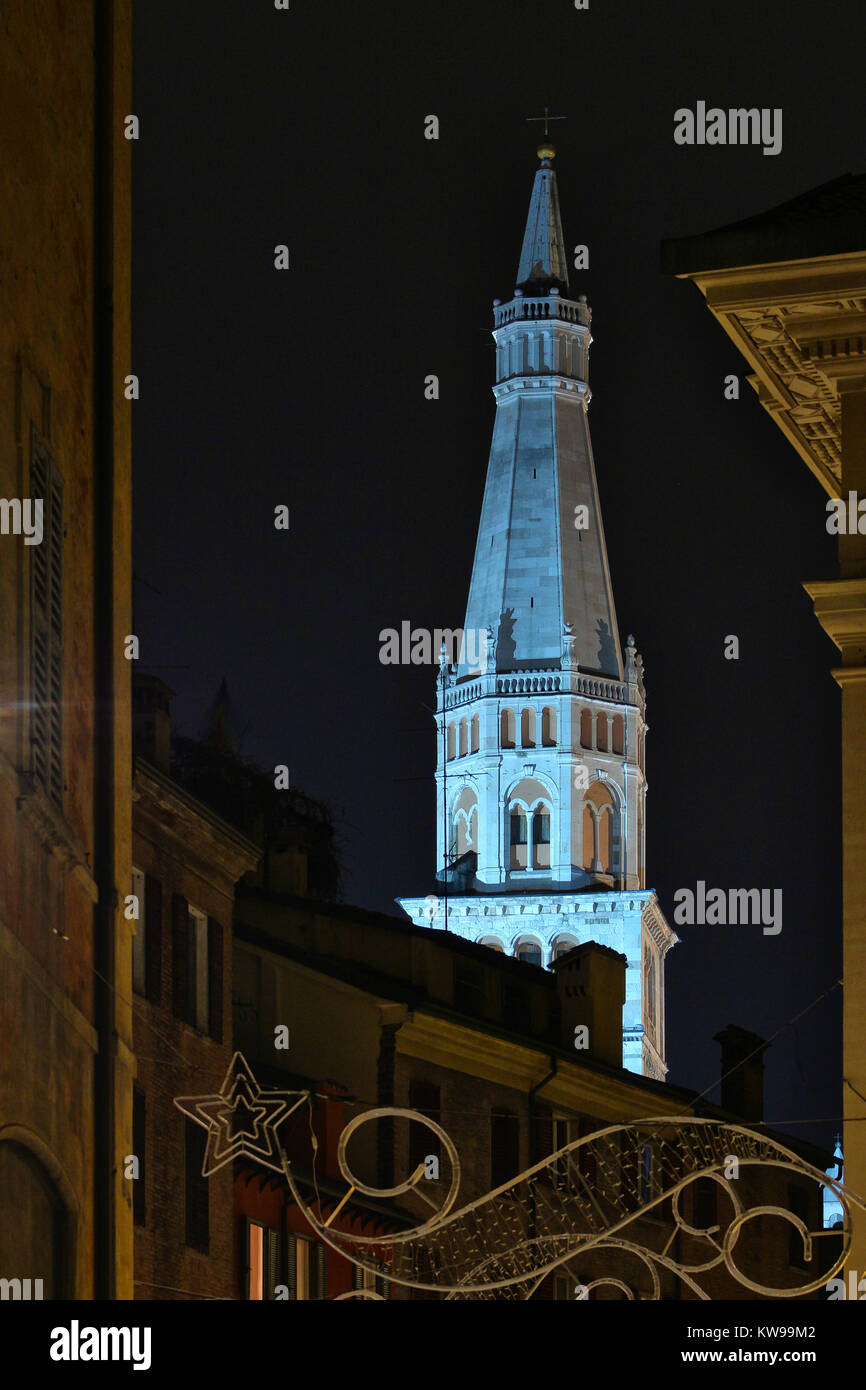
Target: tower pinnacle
x=543 y=265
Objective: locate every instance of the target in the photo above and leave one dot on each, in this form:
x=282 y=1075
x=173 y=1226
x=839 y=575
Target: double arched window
x=600 y=831
x=465 y=832
x=528 y=950
x=529 y=826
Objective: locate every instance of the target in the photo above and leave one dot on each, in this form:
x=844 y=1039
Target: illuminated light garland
x=231 y=1132
x=506 y=1242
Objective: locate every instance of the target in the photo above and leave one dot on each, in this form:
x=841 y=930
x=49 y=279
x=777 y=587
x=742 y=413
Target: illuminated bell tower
x=540 y=781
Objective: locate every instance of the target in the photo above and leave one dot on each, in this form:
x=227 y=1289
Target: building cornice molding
x=801 y=326
x=192 y=824
x=657 y=925
x=475 y=1052
x=840 y=607
x=565 y=386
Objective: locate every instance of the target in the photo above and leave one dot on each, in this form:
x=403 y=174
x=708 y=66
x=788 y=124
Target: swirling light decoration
x=579 y=1199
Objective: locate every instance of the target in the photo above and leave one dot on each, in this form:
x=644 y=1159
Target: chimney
x=742 y=1081
x=590 y=982
x=151 y=720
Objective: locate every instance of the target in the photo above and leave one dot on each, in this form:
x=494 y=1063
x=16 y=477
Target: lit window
x=197 y=968
x=256 y=1240
x=46 y=624
x=302 y=1268
x=504 y=1146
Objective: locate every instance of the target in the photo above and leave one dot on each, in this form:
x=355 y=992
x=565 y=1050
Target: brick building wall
x=190 y=861
x=65 y=1101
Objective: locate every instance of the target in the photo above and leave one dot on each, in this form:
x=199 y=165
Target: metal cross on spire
x=546 y=117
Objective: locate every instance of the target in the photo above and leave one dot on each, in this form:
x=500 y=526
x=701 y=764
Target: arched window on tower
x=548 y=727
x=451 y=746
x=528 y=951
x=600 y=831
x=464 y=836
x=541 y=837
x=601 y=732
x=507 y=728
x=585 y=728
x=475 y=735
x=605 y=839
x=527 y=729
x=617 y=734
x=517 y=823
x=464 y=737
x=589 y=815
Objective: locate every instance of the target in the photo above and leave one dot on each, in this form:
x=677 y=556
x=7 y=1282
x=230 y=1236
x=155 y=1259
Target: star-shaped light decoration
x=242 y=1119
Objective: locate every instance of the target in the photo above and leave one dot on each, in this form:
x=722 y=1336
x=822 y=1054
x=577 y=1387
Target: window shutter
x=55 y=619
x=139 y=1148
x=292 y=1265
x=588 y=1125
x=153 y=938
x=197 y=1189
x=180 y=981
x=46 y=617
x=246 y=1268
x=383 y=1287
x=543 y=1133
x=272 y=1266
x=318 y=1271
x=215 y=979
x=357 y=1277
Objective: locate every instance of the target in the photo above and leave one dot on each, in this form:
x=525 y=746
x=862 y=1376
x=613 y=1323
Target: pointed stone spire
x=543 y=265
x=540 y=558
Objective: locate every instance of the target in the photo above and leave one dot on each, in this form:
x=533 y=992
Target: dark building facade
x=186 y=861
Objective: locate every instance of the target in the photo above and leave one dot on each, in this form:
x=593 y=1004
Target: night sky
x=306 y=387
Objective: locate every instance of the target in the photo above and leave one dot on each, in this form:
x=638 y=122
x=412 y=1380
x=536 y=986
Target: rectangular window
x=46 y=624
x=425 y=1098
x=214 y=980
x=197 y=956
x=302 y=1268
x=541 y=828
x=196 y=1190
x=197 y=968
x=562 y=1135
x=504 y=1146
x=153 y=938
x=468 y=987
x=515 y=1006
x=139 y=1145
x=647 y=1175
x=306 y=1268
x=586 y=1160
x=139 y=940
x=704 y=1204
x=518 y=828
x=257 y=1239
x=798 y=1205
x=368 y=1280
